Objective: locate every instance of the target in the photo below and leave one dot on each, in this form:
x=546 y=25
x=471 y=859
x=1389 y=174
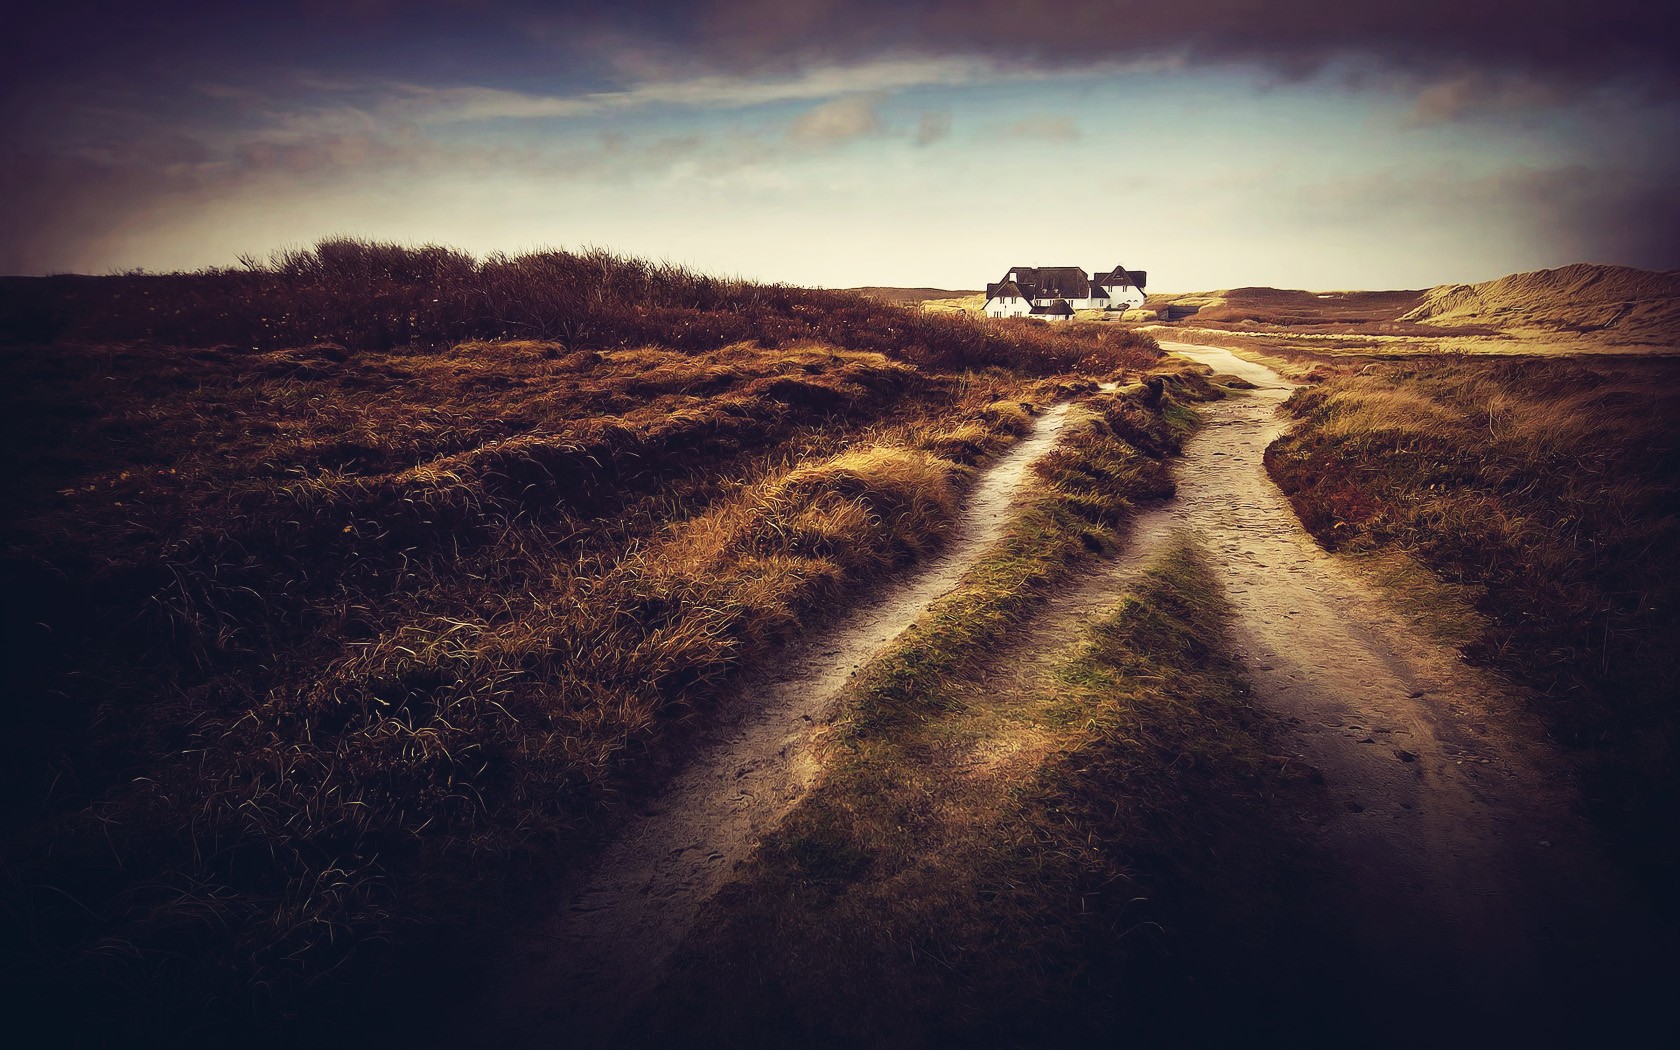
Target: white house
x=1055 y=292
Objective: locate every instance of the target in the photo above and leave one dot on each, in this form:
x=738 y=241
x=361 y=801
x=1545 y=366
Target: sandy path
x=1465 y=890
x=606 y=941
x=1464 y=895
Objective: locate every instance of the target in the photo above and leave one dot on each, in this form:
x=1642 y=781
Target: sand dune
x=1623 y=303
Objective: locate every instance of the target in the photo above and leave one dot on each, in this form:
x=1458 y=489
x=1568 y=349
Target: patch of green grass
x=1091 y=482
x=1017 y=869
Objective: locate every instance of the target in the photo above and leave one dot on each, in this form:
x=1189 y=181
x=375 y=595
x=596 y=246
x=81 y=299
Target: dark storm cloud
x=107 y=109
x=1628 y=216
x=1563 y=41
x=1552 y=40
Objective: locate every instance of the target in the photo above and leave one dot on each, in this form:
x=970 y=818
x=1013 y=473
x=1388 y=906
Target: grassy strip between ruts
x=999 y=867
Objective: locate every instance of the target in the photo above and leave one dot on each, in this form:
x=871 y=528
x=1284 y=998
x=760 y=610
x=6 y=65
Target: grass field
x=336 y=615
x=355 y=594
x=1284 y=307
x=369 y=296
x=1552 y=488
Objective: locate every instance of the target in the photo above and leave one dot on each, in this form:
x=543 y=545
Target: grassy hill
x=1574 y=309
x=353 y=590
x=1618 y=301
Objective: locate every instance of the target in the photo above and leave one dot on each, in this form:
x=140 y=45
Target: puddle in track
x=605 y=942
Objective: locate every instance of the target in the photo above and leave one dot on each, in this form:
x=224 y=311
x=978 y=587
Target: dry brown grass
x=1352 y=313
x=923 y=896
x=913 y=296
x=1619 y=304
x=320 y=649
x=371 y=296
x=1552 y=488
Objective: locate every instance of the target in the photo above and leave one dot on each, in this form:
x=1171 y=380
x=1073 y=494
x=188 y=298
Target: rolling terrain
x=566 y=650
x=1576 y=309
x=1623 y=304
x=1582 y=308
x=1377 y=822
x=342 y=610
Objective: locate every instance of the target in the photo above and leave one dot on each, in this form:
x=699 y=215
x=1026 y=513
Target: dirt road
x=605 y=941
x=1464 y=890
x=1463 y=898
x=1458 y=894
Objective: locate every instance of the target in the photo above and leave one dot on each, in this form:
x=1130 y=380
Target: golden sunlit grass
x=1096 y=476
x=1550 y=487
x=990 y=869
x=800 y=539
x=319 y=646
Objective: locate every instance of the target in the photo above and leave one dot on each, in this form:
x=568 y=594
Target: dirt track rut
x=605 y=941
x=1463 y=890
x=1464 y=887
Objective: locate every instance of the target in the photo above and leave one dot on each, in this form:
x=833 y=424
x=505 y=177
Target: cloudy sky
x=1317 y=143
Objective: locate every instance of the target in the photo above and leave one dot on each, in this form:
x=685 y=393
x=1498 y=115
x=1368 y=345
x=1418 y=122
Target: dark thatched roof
x=1120 y=276
x=1044 y=282
x=1062 y=282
